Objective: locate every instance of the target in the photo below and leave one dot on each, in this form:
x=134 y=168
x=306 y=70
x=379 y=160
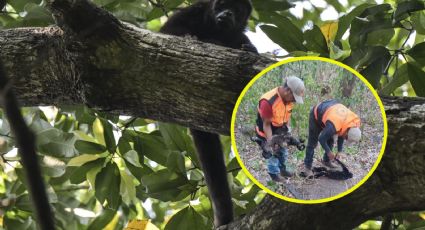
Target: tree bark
x=398 y=184
x=127 y=71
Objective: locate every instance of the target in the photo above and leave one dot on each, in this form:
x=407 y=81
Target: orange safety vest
x=341 y=117
x=281 y=111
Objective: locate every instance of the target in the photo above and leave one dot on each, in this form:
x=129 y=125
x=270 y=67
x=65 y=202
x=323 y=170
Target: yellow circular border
x=309 y=58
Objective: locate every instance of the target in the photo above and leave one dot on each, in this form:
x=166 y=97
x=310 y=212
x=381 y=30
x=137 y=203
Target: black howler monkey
x=221 y=22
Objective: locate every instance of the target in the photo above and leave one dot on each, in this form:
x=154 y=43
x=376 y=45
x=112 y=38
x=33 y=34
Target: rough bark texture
x=131 y=71
x=398 y=184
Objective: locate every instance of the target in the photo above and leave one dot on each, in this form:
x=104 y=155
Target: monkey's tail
x=211 y=156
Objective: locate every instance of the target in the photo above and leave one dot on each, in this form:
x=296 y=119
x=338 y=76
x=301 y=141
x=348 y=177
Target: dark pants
x=314 y=130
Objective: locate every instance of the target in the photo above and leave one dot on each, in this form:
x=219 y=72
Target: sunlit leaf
x=329 y=30
x=132 y=157
x=82 y=159
x=315 y=41
x=187 y=218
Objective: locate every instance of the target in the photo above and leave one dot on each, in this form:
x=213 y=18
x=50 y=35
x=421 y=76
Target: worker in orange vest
x=326 y=120
x=274 y=113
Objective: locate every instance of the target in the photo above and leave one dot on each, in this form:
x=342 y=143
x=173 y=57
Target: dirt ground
x=359 y=163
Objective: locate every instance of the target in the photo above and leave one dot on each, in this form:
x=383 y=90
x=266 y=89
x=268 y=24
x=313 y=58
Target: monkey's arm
x=186 y=21
x=211 y=156
x=247 y=45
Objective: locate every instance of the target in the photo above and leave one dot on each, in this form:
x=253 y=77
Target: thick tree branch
x=144 y=74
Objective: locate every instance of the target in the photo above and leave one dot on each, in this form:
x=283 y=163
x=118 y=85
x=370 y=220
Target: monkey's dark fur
x=221 y=22
x=335 y=175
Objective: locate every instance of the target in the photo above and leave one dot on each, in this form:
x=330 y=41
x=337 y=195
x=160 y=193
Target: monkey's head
x=230 y=15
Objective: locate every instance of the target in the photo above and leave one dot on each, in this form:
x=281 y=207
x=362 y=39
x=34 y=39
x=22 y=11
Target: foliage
x=109 y=165
x=150 y=169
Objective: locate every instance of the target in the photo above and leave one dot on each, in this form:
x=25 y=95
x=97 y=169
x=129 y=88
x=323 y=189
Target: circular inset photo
x=309 y=130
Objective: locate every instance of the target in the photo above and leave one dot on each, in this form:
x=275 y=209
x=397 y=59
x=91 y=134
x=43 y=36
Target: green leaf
x=271 y=5
x=175 y=162
x=374 y=71
x=37 y=15
x=418 y=21
x=82 y=159
x=376 y=10
x=365 y=56
x=153 y=147
x=88 y=147
x=417 y=52
x=61 y=146
x=104 y=2
x=417 y=78
x=128 y=187
x=107 y=185
x=12 y=221
x=108 y=135
x=234 y=166
x=187 y=218
x=132 y=157
x=174 y=136
x=19 y=5
x=164 y=185
x=404 y=8
x=103 y=219
x=292 y=41
x=80 y=174
x=315 y=41
x=345 y=21
x=380 y=37
x=400 y=77
x=124 y=143
x=361 y=27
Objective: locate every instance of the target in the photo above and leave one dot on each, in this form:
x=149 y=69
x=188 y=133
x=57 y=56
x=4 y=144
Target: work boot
x=286 y=173
x=329 y=164
x=276 y=177
x=306 y=171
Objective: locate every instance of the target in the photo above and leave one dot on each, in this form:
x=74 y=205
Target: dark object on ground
x=331 y=174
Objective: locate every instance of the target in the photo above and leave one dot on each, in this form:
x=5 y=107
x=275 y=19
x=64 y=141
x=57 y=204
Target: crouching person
x=326 y=120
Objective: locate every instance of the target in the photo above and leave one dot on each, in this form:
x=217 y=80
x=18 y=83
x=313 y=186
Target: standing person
x=274 y=113
x=326 y=120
